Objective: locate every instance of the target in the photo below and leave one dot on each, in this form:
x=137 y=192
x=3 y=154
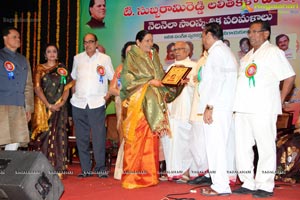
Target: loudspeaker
x=28 y=175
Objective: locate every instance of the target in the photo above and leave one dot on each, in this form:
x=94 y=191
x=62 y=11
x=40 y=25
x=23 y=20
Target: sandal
x=163 y=178
x=210 y=192
x=183 y=179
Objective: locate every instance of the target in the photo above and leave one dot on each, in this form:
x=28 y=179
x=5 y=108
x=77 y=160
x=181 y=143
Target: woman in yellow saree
x=144 y=112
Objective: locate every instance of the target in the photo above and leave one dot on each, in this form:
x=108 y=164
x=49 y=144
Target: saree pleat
x=140 y=164
x=141 y=147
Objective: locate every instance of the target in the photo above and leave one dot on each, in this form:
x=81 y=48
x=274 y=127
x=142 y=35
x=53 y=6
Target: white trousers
x=176 y=148
x=216 y=140
x=231 y=158
x=256 y=129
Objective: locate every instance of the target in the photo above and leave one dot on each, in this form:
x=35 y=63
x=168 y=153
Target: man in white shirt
x=197 y=143
x=91 y=71
x=258 y=101
x=217 y=89
x=176 y=149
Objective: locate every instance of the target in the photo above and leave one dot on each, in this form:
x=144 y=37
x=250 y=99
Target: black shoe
x=200 y=180
x=243 y=190
x=84 y=175
x=103 y=175
x=262 y=194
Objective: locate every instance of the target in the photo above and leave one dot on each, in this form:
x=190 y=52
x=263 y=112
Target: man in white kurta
x=258 y=102
x=216 y=89
x=197 y=143
x=176 y=148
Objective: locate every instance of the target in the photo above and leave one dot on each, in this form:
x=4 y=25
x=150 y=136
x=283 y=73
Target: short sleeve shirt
x=91 y=85
x=261 y=93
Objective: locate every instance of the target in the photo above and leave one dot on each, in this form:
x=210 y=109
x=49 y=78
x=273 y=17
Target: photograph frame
x=175 y=74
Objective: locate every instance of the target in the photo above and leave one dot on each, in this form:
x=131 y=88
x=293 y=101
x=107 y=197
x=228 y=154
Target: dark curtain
x=39 y=29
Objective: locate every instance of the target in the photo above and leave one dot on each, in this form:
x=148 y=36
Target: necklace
x=47 y=66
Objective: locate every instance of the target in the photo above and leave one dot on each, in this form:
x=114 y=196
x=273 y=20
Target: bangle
x=49 y=106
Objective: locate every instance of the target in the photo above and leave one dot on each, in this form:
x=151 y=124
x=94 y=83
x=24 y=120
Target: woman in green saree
x=144 y=112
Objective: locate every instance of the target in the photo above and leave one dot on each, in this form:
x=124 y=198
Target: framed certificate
x=175 y=74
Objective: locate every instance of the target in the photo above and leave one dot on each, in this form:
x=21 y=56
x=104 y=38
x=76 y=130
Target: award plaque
x=175 y=74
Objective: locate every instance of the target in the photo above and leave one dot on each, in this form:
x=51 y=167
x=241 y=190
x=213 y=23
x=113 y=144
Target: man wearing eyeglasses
x=91 y=71
x=258 y=101
x=177 y=152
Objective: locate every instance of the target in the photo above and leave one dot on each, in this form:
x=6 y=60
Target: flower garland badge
x=63 y=74
x=101 y=72
x=250 y=72
x=10 y=68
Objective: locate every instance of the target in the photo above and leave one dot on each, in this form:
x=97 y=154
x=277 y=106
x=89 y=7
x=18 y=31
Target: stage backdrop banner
x=171 y=21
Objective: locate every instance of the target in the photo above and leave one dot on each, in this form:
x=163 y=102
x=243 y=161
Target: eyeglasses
x=254 y=31
x=178 y=49
x=89 y=42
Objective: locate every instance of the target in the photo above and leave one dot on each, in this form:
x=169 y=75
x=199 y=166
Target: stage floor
x=96 y=188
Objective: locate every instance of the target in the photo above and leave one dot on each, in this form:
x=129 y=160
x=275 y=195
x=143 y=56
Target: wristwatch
x=209 y=107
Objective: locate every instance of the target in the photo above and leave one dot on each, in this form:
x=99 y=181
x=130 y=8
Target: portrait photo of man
x=97 y=10
x=282 y=41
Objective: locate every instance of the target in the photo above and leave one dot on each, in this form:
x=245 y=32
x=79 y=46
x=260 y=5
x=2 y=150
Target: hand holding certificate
x=175 y=74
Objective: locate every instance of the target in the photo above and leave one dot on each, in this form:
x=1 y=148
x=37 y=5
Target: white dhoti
x=198 y=150
x=119 y=163
x=176 y=149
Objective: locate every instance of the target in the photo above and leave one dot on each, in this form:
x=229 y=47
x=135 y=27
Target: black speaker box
x=27 y=175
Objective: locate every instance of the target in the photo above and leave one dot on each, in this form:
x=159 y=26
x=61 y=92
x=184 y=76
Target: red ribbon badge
x=63 y=75
x=101 y=72
x=9 y=66
x=62 y=71
x=250 y=71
